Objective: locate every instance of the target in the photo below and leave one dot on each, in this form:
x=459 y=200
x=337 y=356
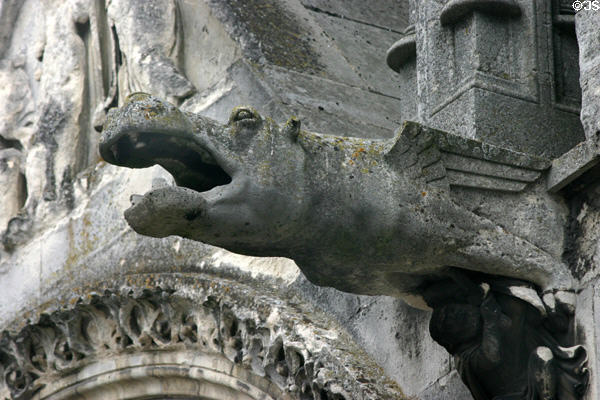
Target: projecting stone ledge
x=573 y=164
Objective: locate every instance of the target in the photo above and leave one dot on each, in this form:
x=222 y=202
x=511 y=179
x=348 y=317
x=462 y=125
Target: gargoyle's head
x=239 y=185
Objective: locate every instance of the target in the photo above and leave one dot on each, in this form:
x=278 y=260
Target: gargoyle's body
x=355 y=214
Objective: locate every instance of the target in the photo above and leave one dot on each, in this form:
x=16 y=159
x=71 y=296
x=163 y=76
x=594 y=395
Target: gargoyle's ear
x=292 y=128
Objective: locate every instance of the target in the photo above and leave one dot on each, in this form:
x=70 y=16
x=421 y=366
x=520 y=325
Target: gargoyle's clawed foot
x=509 y=334
x=560 y=308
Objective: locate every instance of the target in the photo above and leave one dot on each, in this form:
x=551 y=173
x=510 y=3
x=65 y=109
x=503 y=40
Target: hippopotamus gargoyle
x=362 y=216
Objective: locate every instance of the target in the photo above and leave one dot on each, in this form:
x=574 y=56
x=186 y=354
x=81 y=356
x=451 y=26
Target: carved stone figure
x=478 y=234
x=244 y=349
x=364 y=216
x=374 y=212
x=506 y=345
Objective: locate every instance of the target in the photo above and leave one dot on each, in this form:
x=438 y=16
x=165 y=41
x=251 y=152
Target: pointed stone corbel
x=455 y=10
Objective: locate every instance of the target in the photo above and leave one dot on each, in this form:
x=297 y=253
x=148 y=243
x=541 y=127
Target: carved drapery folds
x=110 y=325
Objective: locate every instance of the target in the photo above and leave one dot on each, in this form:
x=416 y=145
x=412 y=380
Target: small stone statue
x=505 y=349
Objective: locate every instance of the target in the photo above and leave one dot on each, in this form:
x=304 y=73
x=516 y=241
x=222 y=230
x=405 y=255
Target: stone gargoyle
x=370 y=217
x=364 y=216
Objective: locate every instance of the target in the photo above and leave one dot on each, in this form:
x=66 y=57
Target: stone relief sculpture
x=270 y=358
x=259 y=190
x=47 y=133
x=368 y=217
x=150 y=44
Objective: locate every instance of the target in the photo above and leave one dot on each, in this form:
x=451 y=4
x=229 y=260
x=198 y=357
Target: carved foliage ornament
x=64 y=341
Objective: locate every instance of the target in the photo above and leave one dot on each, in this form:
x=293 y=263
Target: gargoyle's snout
x=147 y=131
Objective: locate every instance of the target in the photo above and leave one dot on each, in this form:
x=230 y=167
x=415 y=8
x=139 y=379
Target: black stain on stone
x=66 y=189
x=17 y=232
x=192 y=215
x=272 y=32
x=52 y=121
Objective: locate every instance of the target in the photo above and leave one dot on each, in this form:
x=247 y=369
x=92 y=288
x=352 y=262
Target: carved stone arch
x=216 y=340
x=181 y=374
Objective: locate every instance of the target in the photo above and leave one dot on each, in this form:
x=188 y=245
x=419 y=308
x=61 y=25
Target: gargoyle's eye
x=244 y=114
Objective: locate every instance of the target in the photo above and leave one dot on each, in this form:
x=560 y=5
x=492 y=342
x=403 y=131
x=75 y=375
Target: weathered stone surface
x=403 y=51
x=379 y=13
x=588 y=37
x=282 y=183
x=581 y=249
x=531 y=214
x=9 y=10
x=12 y=185
x=65 y=229
x=476 y=79
x=210 y=51
x=364 y=47
x=446 y=387
x=384 y=323
x=572 y=165
x=504 y=342
x=294 y=84
x=281 y=203
x=149 y=40
x=294 y=353
x=455 y=10
x=330 y=111
x=70 y=257
x=587 y=329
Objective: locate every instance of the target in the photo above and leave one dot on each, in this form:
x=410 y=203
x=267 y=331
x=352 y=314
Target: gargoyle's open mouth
x=191 y=165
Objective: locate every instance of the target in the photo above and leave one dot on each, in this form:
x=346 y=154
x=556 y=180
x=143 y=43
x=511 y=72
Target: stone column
x=588 y=35
x=503 y=71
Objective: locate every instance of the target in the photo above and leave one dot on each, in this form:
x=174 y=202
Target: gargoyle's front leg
x=492 y=326
x=497 y=252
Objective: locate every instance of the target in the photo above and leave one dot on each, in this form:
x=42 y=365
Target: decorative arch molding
x=205 y=343
x=176 y=374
